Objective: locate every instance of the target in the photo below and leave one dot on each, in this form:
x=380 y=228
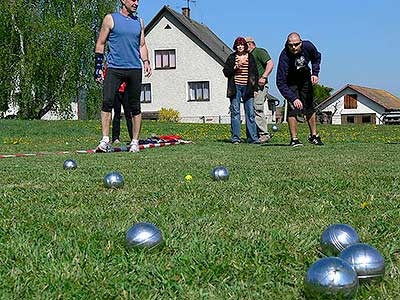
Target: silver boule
x=331 y=278
x=275 y=128
x=220 y=173
x=335 y=238
x=114 y=180
x=70 y=164
x=143 y=235
x=366 y=260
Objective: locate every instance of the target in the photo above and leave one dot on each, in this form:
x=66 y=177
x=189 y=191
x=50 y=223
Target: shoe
x=134 y=146
x=104 y=147
x=315 y=139
x=265 y=138
x=116 y=141
x=295 y=143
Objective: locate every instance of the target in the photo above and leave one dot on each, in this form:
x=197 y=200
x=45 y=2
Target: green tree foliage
x=322 y=92
x=47 y=54
x=7 y=50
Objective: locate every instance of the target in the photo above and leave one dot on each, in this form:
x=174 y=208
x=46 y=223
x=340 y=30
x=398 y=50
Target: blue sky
x=359 y=39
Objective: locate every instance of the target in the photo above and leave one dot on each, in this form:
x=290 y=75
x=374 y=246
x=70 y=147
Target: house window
x=350 y=101
x=165 y=59
x=350 y=119
x=145 y=94
x=366 y=119
x=199 y=91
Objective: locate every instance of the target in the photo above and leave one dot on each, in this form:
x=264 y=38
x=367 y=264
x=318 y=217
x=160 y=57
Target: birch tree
x=47 y=46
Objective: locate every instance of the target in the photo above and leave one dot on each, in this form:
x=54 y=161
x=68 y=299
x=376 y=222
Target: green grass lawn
x=252 y=237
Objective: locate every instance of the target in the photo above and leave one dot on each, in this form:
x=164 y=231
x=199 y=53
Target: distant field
x=251 y=237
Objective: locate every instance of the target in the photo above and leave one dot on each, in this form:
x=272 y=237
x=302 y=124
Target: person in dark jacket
x=295 y=82
x=241 y=70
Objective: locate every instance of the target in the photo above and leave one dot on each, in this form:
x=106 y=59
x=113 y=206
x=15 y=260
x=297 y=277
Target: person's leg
x=308 y=99
x=312 y=123
x=105 y=123
x=133 y=88
x=294 y=141
x=292 y=113
x=128 y=115
x=110 y=88
x=137 y=123
x=292 y=121
x=116 y=123
x=251 y=127
x=313 y=138
x=259 y=111
x=235 y=116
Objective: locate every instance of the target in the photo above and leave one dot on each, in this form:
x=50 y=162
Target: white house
x=355 y=104
x=187 y=60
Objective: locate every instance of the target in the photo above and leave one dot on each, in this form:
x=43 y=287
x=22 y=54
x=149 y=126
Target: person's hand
x=314 y=79
x=261 y=81
x=147 y=69
x=99 y=76
x=298 y=104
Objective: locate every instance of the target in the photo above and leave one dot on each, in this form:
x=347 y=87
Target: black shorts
x=112 y=82
x=304 y=91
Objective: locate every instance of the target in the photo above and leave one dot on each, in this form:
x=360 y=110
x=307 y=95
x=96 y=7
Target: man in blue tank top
x=124 y=32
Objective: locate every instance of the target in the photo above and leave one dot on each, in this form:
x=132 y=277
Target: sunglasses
x=294 y=44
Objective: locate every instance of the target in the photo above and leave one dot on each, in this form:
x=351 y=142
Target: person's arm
x=315 y=57
x=144 y=52
x=229 y=67
x=105 y=29
x=268 y=69
x=281 y=78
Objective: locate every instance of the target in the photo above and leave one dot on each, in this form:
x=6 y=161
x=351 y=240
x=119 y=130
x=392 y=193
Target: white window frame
x=165 y=59
x=193 y=92
x=144 y=93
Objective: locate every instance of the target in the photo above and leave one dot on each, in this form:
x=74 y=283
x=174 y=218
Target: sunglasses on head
x=294 y=44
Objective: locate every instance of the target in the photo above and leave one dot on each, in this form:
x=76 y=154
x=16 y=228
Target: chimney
x=186 y=12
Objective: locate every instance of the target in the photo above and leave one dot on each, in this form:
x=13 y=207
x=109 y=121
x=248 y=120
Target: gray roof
x=199 y=33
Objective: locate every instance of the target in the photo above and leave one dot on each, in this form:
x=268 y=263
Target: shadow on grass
x=242 y=141
x=274 y=145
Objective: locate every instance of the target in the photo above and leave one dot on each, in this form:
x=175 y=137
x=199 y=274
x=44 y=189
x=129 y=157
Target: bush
x=169 y=115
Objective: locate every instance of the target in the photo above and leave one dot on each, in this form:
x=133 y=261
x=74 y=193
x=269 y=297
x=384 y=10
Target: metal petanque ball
x=366 y=260
x=220 y=173
x=143 y=235
x=113 y=180
x=275 y=128
x=335 y=238
x=331 y=278
x=70 y=164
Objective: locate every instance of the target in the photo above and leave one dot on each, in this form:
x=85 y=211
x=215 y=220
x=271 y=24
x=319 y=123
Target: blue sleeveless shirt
x=124 y=42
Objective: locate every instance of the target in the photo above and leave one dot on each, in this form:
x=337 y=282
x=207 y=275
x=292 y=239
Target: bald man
x=295 y=80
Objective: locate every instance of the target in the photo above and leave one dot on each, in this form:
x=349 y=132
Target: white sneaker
x=134 y=146
x=104 y=146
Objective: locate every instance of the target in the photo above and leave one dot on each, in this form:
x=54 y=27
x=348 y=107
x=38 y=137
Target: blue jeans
x=251 y=128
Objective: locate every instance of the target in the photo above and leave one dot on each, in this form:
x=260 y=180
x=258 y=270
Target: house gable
x=359 y=103
x=198 y=33
x=381 y=97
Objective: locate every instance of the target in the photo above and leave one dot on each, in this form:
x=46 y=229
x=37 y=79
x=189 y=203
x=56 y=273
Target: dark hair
x=240 y=41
